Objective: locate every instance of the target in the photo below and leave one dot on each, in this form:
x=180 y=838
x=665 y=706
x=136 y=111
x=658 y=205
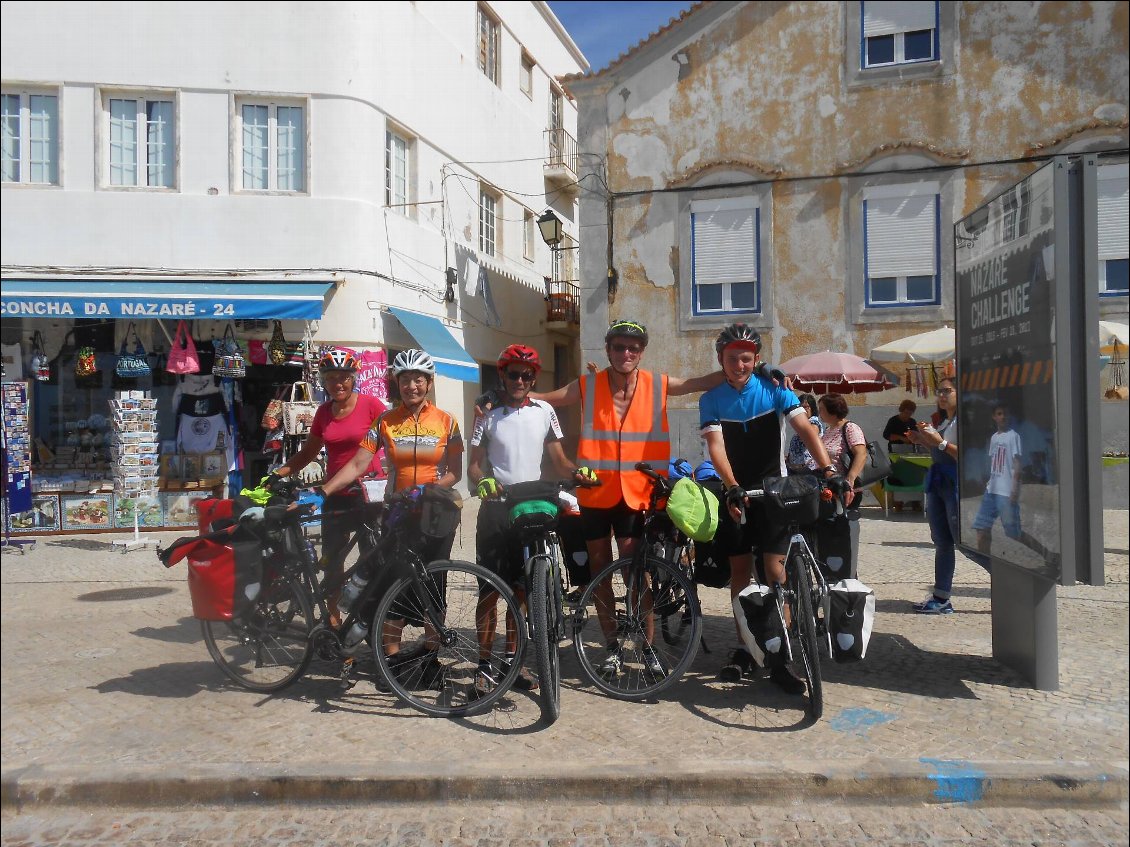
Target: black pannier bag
x=851 y=619
x=763 y=633
x=711 y=564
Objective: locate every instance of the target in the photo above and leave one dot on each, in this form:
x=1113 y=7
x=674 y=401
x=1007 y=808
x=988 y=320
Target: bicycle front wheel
x=430 y=625
x=545 y=626
x=267 y=647
x=802 y=634
x=613 y=628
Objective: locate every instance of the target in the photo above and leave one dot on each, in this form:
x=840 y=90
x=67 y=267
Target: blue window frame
x=1112 y=218
x=898 y=33
x=726 y=256
x=902 y=245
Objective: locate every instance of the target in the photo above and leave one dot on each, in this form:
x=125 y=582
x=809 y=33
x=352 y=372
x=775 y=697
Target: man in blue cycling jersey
x=743 y=424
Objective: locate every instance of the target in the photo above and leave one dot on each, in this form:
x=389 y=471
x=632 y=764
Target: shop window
x=272 y=146
x=489 y=29
x=725 y=256
x=898 y=33
x=397 y=184
x=30 y=137
x=1112 y=216
x=526 y=75
x=141 y=148
x=488 y=222
x=902 y=244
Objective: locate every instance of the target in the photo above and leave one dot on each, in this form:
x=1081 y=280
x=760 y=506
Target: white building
x=386 y=151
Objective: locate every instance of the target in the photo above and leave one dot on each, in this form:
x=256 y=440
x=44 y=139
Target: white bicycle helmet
x=338 y=360
x=413 y=360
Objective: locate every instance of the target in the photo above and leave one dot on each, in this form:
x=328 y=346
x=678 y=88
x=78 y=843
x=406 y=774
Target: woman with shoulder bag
x=340 y=424
x=838 y=536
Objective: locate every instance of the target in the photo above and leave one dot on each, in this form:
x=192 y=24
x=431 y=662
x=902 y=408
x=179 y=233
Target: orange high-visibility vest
x=611 y=446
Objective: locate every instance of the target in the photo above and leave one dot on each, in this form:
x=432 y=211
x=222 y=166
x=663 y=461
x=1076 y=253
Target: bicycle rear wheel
x=802 y=634
x=432 y=671
x=544 y=605
x=268 y=647
x=641 y=592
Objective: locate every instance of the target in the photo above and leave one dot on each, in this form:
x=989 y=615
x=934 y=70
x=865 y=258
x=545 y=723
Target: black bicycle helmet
x=738 y=334
x=626 y=329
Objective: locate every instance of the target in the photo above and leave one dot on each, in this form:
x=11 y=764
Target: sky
x=604 y=30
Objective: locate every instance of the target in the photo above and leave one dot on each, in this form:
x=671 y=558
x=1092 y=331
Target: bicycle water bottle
x=308 y=549
x=355 y=638
x=352 y=590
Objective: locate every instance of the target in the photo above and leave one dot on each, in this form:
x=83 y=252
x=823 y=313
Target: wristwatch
x=943 y=445
x=828 y=468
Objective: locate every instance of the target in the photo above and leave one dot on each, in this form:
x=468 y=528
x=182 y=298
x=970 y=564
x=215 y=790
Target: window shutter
x=725 y=242
x=901 y=235
x=887 y=17
x=1114 y=181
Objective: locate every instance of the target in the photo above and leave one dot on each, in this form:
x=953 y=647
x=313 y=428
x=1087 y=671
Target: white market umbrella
x=925 y=348
x=1114 y=338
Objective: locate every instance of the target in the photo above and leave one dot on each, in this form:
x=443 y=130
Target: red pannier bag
x=211 y=510
x=211 y=581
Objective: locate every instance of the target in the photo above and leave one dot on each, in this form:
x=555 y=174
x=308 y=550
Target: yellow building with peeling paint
x=799 y=166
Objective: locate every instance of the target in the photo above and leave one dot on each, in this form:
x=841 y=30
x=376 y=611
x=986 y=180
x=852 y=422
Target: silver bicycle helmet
x=413 y=360
x=737 y=334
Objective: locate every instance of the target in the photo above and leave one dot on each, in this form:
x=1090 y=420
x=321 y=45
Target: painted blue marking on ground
x=859 y=721
x=957 y=781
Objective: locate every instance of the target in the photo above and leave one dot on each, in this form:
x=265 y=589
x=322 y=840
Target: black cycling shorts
x=497 y=548
x=758 y=531
x=619 y=520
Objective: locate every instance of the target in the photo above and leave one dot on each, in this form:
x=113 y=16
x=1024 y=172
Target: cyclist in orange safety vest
x=624 y=421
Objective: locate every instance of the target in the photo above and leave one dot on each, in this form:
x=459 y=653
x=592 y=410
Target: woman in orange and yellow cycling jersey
x=422 y=443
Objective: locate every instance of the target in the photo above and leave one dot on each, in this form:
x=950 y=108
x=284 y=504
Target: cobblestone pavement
x=541 y=824
x=107 y=682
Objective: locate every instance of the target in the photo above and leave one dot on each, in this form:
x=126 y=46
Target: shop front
x=108 y=424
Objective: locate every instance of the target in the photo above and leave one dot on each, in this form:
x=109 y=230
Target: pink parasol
x=840 y=373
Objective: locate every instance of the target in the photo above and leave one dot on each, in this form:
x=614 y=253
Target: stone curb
x=1057 y=784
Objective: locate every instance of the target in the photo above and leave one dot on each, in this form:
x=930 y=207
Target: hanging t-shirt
x=343 y=437
x=202 y=435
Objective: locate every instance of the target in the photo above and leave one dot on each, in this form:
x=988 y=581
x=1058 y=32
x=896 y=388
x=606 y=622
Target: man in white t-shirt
x=1002 y=493
x=507 y=446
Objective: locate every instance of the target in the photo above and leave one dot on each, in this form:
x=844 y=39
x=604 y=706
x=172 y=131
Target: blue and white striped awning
x=140 y=300
x=436 y=340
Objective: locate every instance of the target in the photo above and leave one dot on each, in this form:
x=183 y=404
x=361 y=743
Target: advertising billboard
x=1005 y=268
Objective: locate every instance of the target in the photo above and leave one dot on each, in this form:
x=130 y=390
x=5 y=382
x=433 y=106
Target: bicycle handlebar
x=826 y=493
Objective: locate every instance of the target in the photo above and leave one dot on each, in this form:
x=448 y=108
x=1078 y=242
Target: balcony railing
x=563 y=302
x=561 y=151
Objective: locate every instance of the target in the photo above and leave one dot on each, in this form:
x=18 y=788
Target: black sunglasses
x=525 y=376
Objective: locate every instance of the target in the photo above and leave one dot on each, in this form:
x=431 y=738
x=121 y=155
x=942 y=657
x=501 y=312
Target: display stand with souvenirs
x=135 y=456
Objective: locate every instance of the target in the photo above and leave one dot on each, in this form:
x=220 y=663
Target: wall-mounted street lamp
x=552 y=232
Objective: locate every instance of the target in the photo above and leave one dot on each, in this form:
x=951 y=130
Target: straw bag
x=299 y=410
x=273 y=414
x=276 y=349
x=182 y=358
x=132 y=365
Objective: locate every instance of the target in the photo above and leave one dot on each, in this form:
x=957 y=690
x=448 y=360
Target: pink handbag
x=183 y=358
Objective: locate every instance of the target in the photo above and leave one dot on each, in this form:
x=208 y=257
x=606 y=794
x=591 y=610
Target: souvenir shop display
x=43 y=516
x=87 y=511
x=16 y=447
x=182 y=358
x=134 y=448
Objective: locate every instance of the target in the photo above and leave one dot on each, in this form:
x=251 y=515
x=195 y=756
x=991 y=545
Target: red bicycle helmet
x=336 y=359
x=519 y=354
